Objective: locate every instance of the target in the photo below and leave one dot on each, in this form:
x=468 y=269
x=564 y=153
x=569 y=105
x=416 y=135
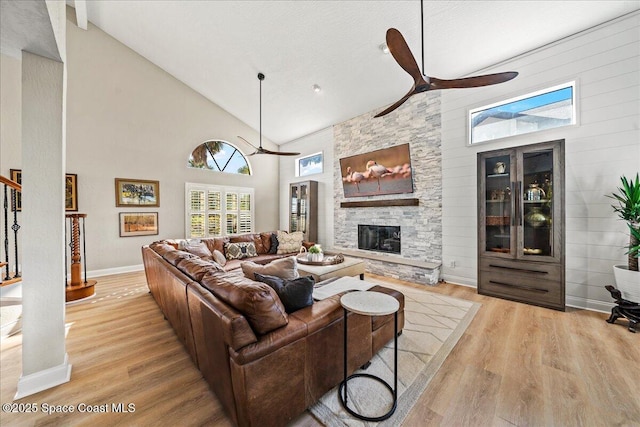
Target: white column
x=44 y=358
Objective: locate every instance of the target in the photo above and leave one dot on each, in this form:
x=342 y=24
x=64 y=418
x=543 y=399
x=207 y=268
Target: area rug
x=433 y=325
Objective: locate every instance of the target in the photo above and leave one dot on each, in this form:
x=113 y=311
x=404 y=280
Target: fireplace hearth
x=379 y=238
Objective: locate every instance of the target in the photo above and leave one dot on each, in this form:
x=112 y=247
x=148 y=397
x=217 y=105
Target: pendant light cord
x=260 y=108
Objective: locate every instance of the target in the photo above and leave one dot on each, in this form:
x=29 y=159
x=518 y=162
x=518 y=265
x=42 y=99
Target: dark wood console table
x=627 y=309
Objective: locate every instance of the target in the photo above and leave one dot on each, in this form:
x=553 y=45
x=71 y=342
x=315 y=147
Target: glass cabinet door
x=499 y=236
x=294 y=215
x=537 y=204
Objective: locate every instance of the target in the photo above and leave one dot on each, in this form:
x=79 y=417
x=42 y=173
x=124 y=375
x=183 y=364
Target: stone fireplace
x=417 y=122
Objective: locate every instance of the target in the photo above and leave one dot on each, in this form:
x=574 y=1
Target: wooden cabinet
x=521 y=224
x=303 y=209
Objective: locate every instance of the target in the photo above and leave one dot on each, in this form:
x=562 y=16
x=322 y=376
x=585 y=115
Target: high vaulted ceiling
x=218 y=48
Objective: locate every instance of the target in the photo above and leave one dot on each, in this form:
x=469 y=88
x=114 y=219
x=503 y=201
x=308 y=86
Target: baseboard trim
x=589 y=304
x=458 y=280
x=115 y=270
x=43 y=380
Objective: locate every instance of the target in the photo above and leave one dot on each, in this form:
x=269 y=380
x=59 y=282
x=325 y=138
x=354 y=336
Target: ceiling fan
x=421 y=82
x=260 y=150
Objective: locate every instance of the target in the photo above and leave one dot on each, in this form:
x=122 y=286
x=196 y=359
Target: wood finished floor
x=516 y=365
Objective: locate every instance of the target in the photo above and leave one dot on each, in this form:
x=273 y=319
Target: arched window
x=219 y=156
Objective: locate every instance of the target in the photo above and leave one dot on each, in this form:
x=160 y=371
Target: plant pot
x=627 y=282
x=315 y=257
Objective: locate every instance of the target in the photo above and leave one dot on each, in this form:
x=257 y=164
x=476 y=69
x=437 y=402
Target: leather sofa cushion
x=286 y=268
x=196 y=268
x=200 y=249
x=162 y=248
x=258 y=302
x=216 y=243
x=174 y=257
x=378 y=321
x=266 y=242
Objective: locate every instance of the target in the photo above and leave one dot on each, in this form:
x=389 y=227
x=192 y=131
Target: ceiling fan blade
x=403 y=56
x=244 y=140
x=397 y=104
x=475 y=81
x=278 y=153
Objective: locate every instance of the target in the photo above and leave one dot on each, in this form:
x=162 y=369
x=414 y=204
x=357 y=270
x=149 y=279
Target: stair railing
x=11 y=191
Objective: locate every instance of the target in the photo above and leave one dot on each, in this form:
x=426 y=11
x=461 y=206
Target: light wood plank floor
x=516 y=365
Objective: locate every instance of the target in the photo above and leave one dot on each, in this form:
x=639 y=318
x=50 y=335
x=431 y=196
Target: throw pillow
x=219 y=257
x=287 y=268
x=273 y=249
x=198 y=248
x=289 y=242
x=240 y=250
x=294 y=294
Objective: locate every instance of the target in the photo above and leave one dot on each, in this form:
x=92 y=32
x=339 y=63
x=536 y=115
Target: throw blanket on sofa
x=343 y=284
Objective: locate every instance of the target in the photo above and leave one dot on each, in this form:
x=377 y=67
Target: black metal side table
x=370 y=303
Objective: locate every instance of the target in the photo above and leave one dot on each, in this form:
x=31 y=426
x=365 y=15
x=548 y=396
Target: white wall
x=129 y=119
x=318 y=141
x=602 y=146
x=11 y=114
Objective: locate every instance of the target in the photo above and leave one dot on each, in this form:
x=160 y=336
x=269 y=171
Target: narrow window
x=545 y=109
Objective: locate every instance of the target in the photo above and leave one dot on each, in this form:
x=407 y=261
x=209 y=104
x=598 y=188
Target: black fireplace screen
x=381 y=238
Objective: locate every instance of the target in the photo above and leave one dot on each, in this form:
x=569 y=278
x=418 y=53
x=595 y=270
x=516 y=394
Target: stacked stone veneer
x=417 y=122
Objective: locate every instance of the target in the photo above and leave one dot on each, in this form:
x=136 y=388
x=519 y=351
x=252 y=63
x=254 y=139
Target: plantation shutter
x=218 y=211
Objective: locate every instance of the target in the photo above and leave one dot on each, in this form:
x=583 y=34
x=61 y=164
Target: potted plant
x=315 y=253
x=628 y=209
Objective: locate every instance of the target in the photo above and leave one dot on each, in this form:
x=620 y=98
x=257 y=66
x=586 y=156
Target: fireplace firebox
x=379 y=238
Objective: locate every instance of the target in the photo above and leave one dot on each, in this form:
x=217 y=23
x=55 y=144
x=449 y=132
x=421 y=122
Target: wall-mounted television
x=385 y=171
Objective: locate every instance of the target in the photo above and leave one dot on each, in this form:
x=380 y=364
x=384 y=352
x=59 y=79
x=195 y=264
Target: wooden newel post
x=78 y=288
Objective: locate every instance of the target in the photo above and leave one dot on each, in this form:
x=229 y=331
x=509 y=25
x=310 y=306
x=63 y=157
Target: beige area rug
x=433 y=325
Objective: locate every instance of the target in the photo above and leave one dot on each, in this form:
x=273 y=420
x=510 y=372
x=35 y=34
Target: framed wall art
x=138 y=224
x=70 y=191
x=137 y=192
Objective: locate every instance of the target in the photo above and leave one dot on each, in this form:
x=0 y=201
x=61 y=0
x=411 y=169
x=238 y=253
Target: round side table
x=370 y=303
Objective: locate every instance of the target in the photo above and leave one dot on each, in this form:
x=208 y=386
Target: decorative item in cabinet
x=521 y=224
x=303 y=209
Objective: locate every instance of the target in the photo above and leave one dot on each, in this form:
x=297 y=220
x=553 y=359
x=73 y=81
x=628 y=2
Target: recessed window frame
x=244 y=216
x=574 y=111
x=300 y=159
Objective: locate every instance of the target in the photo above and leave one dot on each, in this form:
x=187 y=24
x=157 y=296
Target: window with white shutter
x=213 y=210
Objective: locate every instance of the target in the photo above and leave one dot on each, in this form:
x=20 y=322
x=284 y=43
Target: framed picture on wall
x=138 y=223
x=309 y=165
x=70 y=191
x=137 y=192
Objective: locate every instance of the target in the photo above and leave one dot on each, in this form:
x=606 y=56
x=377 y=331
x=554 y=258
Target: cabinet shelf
x=498 y=175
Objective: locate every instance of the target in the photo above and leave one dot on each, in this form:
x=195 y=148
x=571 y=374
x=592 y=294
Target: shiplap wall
x=605 y=63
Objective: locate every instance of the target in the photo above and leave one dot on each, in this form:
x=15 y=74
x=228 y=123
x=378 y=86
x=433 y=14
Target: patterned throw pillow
x=240 y=250
x=289 y=242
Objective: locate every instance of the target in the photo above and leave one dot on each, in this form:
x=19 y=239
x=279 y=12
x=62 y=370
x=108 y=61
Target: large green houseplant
x=628 y=209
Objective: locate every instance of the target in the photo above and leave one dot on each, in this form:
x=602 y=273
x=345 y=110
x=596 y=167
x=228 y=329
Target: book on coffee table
x=343 y=284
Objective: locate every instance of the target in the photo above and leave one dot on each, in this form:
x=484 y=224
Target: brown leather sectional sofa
x=264 y=365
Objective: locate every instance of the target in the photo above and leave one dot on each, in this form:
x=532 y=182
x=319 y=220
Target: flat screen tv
x=385 y=171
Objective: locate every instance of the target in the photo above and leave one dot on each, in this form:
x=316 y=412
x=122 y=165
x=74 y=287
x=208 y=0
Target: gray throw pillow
x=294 y=294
